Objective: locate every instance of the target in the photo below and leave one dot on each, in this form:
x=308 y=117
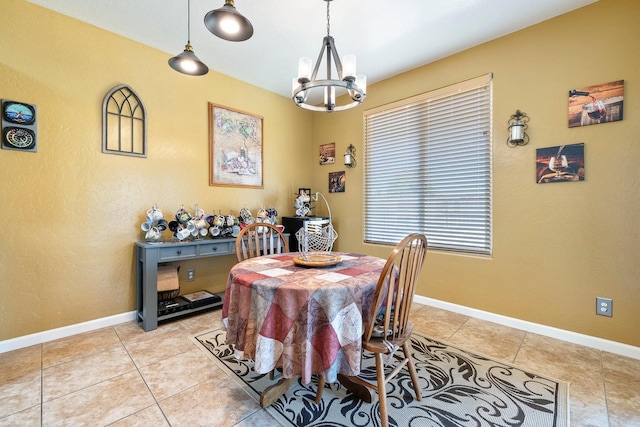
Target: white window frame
x=428 y=169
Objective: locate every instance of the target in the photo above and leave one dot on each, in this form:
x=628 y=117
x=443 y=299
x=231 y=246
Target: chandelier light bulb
x=304 y=69
x=329 y=97
x=348 y=67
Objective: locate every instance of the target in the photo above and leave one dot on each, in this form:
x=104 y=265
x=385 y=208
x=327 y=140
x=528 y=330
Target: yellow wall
x=555 y=246
x=71 y=214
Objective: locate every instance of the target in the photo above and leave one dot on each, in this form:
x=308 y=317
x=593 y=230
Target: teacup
x=183 y=216
x=191 y=225
x=215 y=231
x=183 y=233
x=211 y=219
x=162 y=224
x=153 y=234
x=154 y=214
x=201 y=224
x=245 y=214
x=203 y=232
x=174 y=226
x=199 y=213
x=146 y=226
x=230 y=220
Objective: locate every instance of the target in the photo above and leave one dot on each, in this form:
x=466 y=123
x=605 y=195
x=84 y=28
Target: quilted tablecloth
x=303 y=320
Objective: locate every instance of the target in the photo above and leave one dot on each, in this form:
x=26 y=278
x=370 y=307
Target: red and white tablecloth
x=303 y=320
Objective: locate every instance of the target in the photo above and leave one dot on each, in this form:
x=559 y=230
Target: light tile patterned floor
x=123 y=376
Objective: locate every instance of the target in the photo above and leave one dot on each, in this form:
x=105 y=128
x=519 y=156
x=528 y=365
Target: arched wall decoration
x=124 y=123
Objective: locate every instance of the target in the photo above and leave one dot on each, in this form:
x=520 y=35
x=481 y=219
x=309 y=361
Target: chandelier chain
x=328 y=17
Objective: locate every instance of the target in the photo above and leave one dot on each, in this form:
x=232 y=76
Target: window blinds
x=428 y=168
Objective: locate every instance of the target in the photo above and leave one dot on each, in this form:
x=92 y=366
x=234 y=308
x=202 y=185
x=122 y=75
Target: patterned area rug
x=459 y=388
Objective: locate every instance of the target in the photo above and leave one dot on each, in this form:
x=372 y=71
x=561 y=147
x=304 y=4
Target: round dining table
x=298 y=319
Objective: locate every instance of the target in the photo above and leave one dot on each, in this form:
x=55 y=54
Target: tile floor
x=122 y=376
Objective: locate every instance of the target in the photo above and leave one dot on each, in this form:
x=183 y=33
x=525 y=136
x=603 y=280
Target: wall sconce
x=350 y=156
x=517 y=129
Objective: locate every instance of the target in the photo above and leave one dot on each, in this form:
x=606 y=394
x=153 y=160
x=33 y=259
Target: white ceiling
x=387 y=37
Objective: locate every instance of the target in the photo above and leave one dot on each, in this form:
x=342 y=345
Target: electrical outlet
x=604 y=306
x=191 y=274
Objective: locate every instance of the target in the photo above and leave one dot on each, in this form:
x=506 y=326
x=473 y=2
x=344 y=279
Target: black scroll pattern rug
x=459 y=388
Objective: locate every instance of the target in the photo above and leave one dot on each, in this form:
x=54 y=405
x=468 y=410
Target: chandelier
x=308 y=82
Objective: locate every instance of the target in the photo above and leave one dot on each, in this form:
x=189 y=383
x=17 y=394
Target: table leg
x=273 y=392
x=360 y=391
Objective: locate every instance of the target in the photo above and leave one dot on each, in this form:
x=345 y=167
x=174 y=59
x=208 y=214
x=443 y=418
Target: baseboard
x=573 y=337
x=561 y=334
x=66 y=331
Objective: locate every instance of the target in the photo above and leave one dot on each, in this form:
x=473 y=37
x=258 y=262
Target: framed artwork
x=593 y=105
x=19 y=126
x=235 y=148
x=328 y=153
x=337 y=181
x=564 y=163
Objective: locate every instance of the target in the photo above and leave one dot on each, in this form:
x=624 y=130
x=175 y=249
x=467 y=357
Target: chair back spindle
x=259 y=239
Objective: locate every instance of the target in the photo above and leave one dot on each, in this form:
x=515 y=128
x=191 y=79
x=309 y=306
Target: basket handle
x=326 y=203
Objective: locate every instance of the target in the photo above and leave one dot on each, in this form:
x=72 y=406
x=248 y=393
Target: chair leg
x=321 y=382
x=382 y=391
x=412 y=371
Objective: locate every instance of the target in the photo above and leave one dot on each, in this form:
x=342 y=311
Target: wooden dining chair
x=389 y=329
x=260 y=238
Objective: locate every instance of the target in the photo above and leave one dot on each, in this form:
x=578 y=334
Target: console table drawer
x=177 y=253
x=217 y=248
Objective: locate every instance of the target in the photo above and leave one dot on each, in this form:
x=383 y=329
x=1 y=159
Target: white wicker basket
x=316 y=237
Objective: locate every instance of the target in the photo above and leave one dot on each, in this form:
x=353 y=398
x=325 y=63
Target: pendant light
x=355 y=86
x=187 y=62
x=228 y=24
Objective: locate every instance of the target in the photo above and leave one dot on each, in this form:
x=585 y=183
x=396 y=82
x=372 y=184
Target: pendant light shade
x=187 y=62
x=228 y=24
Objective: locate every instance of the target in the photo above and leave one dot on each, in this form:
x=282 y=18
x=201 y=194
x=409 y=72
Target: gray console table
x=149 y=255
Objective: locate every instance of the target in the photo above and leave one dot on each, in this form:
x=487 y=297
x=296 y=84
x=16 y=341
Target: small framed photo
x=328 y=153
x=337 y=181
x=592 y=105
x=564 y=163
